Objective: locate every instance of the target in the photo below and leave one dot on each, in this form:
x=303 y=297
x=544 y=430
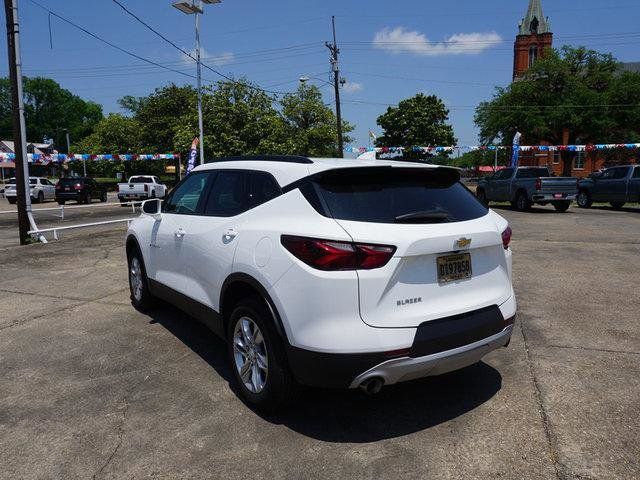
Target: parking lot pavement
x=91 y=388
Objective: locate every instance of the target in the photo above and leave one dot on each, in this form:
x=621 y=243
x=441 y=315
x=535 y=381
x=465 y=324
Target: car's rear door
x=449 y=254
x=502 y=185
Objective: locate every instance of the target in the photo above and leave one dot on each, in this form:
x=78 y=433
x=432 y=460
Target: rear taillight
x=77 y=186
x=58 y=187
x=538 y=184
x=337 y=255
x=146 y=187
x=506 y=237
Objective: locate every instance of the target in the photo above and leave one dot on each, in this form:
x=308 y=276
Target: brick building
x=534 y=39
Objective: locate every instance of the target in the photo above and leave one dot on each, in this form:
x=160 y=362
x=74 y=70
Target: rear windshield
x=394 y=195
x=69 y=181
x=141 y=180
x=532 y=173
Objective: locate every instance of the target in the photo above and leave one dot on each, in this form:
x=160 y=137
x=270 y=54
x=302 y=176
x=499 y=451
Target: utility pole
x=19 y=128
x=333 y=48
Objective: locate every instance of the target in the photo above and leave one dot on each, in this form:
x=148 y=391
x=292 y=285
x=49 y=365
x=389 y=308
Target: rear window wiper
x=417 y=217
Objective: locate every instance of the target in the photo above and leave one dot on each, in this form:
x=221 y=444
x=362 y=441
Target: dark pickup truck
x=525 y=186
x=615 y=185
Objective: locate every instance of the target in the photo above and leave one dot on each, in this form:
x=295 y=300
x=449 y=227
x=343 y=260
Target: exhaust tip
x=372 y=386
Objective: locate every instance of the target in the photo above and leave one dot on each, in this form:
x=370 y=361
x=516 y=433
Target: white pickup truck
x=141 y=187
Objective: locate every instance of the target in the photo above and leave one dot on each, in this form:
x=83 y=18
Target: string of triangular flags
x=44 y=159
x=471 y=148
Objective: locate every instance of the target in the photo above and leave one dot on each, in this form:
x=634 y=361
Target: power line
x=188 y=54
x=107 y=42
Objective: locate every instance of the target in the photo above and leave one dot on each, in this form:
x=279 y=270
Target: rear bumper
x=407 y=368
x=438 y=347
x=133 y=196
x=550 y=197
x=68 y=195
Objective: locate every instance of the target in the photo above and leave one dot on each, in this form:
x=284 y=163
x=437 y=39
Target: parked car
x=80 y=189
x=525 y=186
x=41 y=189
x=141 y=187
x=328 y=272
x=615 y=185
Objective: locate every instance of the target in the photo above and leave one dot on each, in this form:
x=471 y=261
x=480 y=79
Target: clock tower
x=533 y=41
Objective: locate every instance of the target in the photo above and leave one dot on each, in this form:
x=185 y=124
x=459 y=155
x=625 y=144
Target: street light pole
x=199 y=75
x=195 y=7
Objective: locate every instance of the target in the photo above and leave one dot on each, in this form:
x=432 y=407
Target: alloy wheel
x=250 y=355
x=135 y=278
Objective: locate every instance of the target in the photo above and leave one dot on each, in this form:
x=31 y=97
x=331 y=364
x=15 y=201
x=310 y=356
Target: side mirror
x=153 y=208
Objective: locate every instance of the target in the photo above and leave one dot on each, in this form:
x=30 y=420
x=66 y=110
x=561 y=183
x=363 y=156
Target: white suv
x=329 y=272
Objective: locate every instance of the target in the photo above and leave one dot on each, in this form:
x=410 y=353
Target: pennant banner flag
x=193 y=154
x=521 y=148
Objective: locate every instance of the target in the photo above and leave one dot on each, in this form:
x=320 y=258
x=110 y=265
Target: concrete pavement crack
x=119 y=442
x=80 y=303
x=559 y=468
x=594 y=349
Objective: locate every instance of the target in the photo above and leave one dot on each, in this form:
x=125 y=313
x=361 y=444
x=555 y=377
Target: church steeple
x=534 y=22
x=533 y=41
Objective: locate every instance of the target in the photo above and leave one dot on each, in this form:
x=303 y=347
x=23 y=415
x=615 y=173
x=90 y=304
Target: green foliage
x=49 y=109
x=311 y=128
x=417 y=121
x=575 y=92
x=113 y=134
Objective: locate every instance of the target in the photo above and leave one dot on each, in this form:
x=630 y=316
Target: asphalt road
x=49 y=214
x=90 y=388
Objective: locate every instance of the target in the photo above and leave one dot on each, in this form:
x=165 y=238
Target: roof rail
x=263 y=158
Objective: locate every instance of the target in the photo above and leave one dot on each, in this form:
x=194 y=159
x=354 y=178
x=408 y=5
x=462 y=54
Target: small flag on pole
x=193 y=154
x=516 y=149
x=372 y=136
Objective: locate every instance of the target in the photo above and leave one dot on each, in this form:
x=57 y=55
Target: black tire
x=142 y=299
x=279 y=386
x=61 y=202
x=482 y=197
x=561 y=207
x=103 y=197
x=40 y=197
x=617 y=205
x=522 y=203
x=584 y=199
x=11 y=200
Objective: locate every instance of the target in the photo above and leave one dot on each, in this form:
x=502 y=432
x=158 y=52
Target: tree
x=160 y=115
x=113 y=134
x=238 y=120
x=417 y=121
x=49 y=110
x=574 y=95
x=310 y=124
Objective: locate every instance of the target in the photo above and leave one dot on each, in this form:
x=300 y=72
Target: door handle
x=229 y=235
x=179 y=233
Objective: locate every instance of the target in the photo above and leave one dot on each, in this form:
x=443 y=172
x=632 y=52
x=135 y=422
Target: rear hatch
x=449 y=256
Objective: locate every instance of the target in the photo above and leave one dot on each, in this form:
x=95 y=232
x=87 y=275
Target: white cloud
x=401 y=40
x=215 y=59
x=351 y=87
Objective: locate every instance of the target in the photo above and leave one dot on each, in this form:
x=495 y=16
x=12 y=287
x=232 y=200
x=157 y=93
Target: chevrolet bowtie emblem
x=463 y=242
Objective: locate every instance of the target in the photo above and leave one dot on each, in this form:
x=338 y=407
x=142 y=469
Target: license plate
x=557 y=195
x=66 y=189
x=454 y=267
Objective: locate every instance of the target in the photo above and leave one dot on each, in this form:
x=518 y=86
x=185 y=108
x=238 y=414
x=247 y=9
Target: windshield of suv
x=397 y=195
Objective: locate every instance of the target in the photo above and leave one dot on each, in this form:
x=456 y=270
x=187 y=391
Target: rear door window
x=394 y=195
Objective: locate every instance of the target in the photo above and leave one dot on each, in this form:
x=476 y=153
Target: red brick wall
x=521 y=50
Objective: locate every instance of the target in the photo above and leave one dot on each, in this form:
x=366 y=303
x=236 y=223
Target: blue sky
x=274 y=42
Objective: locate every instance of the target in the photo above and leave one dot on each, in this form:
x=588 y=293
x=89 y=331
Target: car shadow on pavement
x=350 y=415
